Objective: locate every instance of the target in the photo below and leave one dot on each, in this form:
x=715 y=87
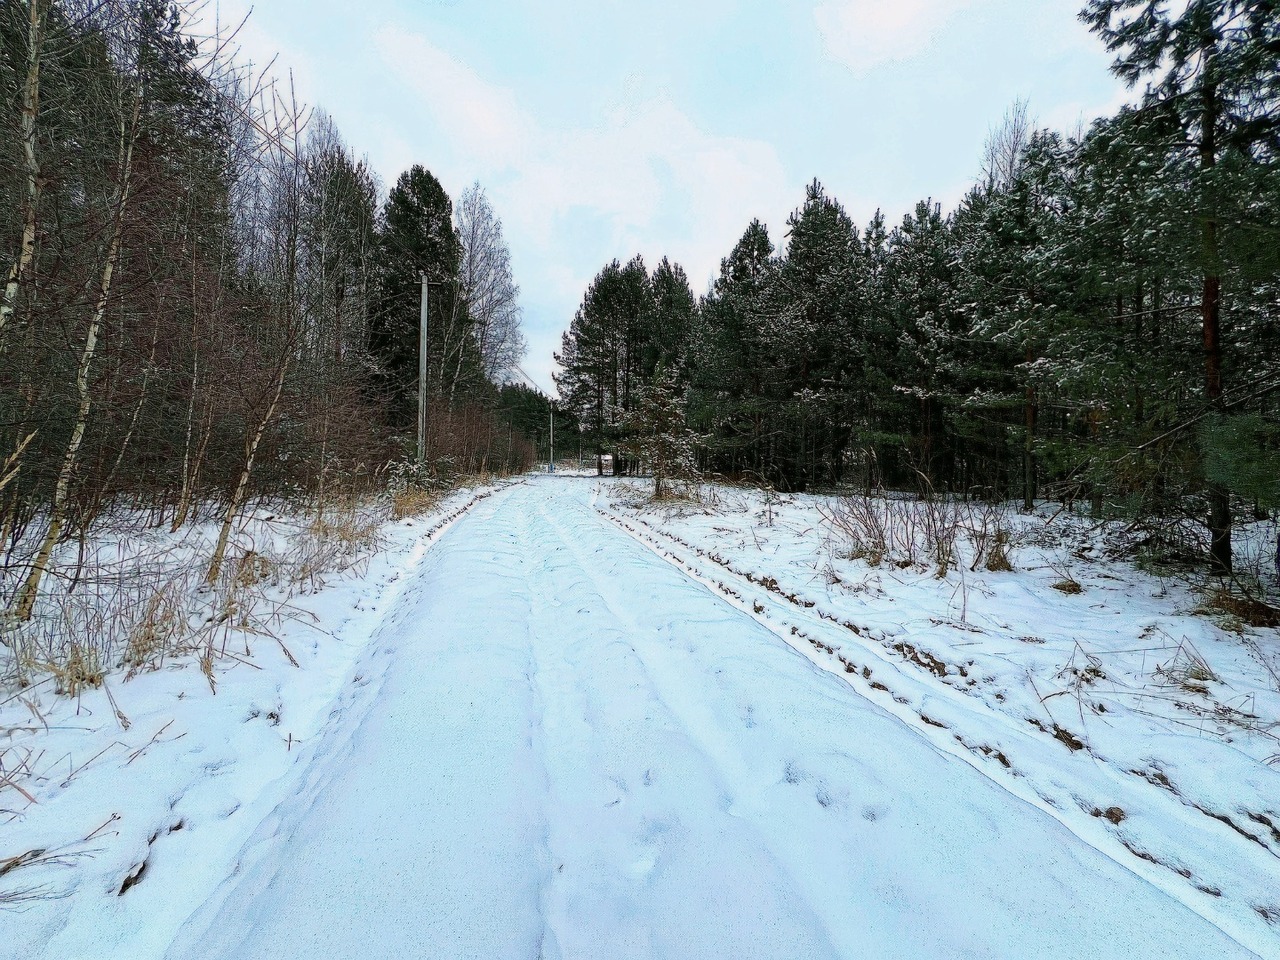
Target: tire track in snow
x=908 y=712
x=332 y=761
x=506 y=727
x=641 y=843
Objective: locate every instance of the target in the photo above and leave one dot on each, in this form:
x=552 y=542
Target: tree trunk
x=31 y=202
x=184 y=497
x=1030 y=411
x=192 y=467
x=105 y=490
x=1210 y=310
x=26 y=599
x=251 y=443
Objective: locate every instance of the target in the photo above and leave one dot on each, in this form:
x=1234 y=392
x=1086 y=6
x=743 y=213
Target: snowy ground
x=568 y=726
x=1145 y=728
x=122 y=808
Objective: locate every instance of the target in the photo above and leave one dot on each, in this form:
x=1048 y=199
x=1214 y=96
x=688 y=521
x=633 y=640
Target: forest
x=1096 y=321
x=930 y=607
x=210 y=299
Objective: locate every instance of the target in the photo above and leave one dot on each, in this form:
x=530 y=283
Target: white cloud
x=863 y=34
x=483 y=118
x=662 y=184
x=643 y=177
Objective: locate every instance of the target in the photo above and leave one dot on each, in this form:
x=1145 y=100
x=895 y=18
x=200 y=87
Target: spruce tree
x=416 y=235
x=657 y=436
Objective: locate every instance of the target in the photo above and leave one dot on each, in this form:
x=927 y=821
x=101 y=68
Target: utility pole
x=551 y=459
x=422 y=371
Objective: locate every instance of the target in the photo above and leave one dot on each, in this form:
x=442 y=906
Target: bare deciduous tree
x=1002 y=154
x=488 y=286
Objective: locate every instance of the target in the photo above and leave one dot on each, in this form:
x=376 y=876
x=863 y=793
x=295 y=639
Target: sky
x=602 y=130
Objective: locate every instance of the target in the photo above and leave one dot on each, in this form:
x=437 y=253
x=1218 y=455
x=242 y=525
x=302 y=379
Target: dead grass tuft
x=82 y=670
x=159 y=631
x=414 y=502
x=1187 y=668
x=1246 y=610
x=934 y=530
x=341 y=533
x=252 y=568
x=998 y=559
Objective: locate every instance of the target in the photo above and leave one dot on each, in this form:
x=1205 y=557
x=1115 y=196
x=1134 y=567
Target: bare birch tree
x=488 y=286
x=282 y=125
x=37 y=11
x=1002 y=154
x=128 y=98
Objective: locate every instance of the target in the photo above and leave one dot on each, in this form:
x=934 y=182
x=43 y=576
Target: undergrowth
x=935 y=532
x=139 y=600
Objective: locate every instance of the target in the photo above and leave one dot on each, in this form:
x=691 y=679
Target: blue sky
x=603 y=130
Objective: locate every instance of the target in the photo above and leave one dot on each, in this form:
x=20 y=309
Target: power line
x=533 y=383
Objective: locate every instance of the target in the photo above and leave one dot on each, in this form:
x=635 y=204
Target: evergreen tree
x=657 y=437
x=1213 y=66
x=919 y=290
x=728 y=355
x=603 y=353
x=821 y=280
x=671 y=321
x=416 y=235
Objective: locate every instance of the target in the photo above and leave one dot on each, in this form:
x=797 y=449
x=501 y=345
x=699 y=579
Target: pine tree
x=671 y=321
x=657 y=436
x=602 y=355
x=820 y=281
x=1214 y=67
x=728 y=353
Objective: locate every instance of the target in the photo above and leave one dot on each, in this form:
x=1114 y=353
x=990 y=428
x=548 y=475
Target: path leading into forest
x=575 y=751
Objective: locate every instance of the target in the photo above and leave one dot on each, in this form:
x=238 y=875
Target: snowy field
x=557 y=722
x=1106 y=696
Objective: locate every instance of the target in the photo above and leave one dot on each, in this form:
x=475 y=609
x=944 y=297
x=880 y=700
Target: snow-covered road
x=564 y=747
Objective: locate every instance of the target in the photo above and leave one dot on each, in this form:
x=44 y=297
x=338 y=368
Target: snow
x=546 y=735
x=1187 y=770
x=182 y=786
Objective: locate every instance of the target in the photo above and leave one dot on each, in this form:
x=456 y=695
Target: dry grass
x=933 y=531
x=141 y=602
x=997 y=553
x=1246 y=610
x=252 y=568
x=414 y=502
x=17 y=767
x=160 y=629
x=1187 y=668
x=342 y=533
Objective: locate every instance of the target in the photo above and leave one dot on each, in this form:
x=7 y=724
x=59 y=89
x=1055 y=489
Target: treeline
x=1098 y=319
x=205 y=300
